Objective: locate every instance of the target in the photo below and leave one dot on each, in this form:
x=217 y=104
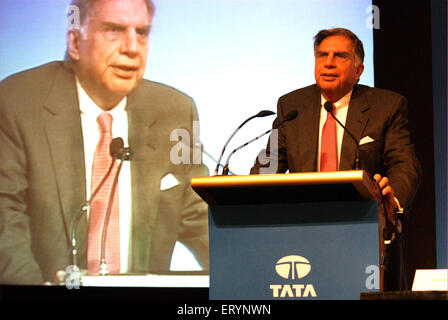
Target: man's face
x=336 y=67
x=111 y=49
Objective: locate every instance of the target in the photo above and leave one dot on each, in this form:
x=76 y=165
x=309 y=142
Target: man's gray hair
x=357 y=44
x=85 y=5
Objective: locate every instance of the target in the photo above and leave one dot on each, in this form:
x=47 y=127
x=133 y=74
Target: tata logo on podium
x=293 y=267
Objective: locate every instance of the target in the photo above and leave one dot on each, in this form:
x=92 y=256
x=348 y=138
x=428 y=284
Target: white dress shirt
x=91 y=134
x=341 y=109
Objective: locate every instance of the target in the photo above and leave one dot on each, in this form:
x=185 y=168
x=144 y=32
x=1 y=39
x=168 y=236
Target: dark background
x=403 y=61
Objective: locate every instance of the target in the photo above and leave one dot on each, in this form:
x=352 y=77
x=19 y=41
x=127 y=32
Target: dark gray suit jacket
x=42 y=176
x=377 y=113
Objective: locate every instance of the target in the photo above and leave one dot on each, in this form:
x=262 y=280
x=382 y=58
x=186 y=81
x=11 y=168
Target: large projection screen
x=234 y=57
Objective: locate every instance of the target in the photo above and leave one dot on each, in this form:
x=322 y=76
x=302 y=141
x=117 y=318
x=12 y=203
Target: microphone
x=329 y=107
x=260 y=114
x=289 y=116
x=117 y=151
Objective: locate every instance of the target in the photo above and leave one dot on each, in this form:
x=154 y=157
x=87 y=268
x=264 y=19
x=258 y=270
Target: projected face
x=337 y=69
x=110 y=50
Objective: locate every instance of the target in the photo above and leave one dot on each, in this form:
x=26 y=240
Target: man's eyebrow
x=110 y=24
x=144 y=28
x=335 y=52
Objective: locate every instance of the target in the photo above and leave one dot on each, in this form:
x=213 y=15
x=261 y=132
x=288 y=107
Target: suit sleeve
x=194 y=219
x=402 y=166
x=194 y=225
x=17 y=263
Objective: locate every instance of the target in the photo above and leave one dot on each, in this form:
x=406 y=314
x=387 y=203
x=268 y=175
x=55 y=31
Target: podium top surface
x=280 y=188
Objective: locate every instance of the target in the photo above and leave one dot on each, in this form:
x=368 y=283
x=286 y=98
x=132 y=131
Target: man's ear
x=73 y=43
x=359 y=70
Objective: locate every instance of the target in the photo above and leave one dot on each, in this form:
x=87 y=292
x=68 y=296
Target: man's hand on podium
x=59 y=277
x=389 y=196
x=387 y=191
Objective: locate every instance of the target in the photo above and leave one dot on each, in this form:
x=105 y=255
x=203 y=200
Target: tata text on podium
x=294 y=236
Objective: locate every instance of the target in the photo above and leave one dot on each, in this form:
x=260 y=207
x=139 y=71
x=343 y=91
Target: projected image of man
x=57 y=121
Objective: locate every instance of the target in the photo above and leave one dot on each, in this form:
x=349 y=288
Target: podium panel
x=325 y=250
x=315 y=235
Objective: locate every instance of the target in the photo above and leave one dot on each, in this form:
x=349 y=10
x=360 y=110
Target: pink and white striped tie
x=101 y=162
x=328 y=146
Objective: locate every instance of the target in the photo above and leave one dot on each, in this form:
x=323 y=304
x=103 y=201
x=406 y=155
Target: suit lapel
x=357 y=118
x=143 y=126
x=308 y=133
x=65 y=144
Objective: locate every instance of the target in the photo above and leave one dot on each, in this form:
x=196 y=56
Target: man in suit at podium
x=57 y=123
x=376 y=139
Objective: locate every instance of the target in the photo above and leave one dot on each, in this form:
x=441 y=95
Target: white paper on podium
x=149 y=280
x=430 y=280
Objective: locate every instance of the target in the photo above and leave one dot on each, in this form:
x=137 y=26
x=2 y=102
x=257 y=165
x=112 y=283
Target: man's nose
x=129 y=44
x=329 y=60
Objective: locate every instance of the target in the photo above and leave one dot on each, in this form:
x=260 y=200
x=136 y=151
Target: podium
x=294 y=236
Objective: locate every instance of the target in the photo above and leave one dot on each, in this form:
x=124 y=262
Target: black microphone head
x=291 y=115
x=328 y=106
x=264 y=113
x=116 y=147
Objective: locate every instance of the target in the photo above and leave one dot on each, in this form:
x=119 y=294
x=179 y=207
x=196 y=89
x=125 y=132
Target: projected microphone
x=117 y=151
x=329 y=107
x=260 y=114
x=290 y=116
